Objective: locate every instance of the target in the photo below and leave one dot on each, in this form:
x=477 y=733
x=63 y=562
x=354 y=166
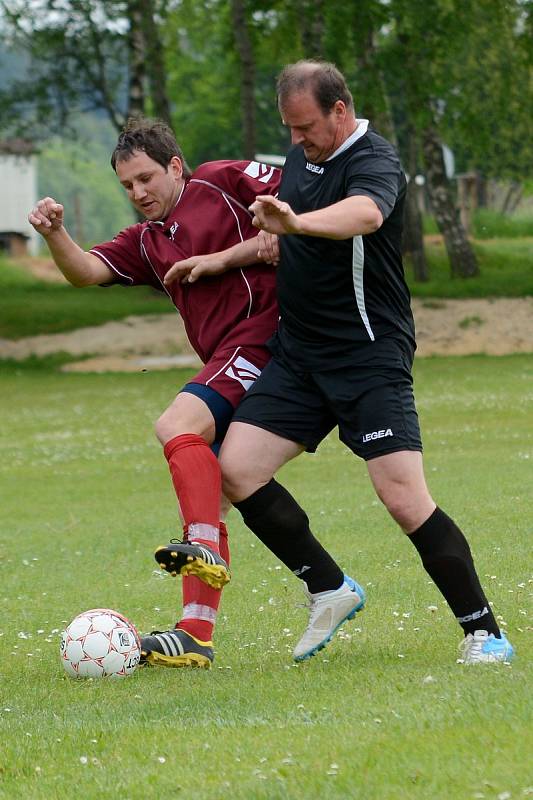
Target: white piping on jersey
x=111 y=266
x=222 y=192
x=235 y=215
x=143 y=248
x=245 y=279
x=228 y=362
x=358 y=263
x=362 y=127
x=249 y=293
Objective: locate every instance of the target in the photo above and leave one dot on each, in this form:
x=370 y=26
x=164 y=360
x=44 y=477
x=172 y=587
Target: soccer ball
x=100 y=643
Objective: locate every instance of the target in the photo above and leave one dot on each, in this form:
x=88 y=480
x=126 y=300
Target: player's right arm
x=79 y=267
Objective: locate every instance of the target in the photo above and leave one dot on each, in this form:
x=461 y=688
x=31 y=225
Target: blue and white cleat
x=482 y=648
x=327 y=612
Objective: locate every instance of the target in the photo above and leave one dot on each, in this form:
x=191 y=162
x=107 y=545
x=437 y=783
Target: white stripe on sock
x=201 y=530
x=197 y=611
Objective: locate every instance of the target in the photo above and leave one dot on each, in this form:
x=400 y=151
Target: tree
x=417 y=52
x=83 y=55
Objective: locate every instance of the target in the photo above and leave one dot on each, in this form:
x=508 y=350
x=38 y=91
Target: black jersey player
x=342 y=357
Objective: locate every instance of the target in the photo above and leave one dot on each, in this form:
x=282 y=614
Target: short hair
x=154 y=137
x=322 y=78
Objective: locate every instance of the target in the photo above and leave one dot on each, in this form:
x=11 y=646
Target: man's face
x=320 y=134
x=152 y=189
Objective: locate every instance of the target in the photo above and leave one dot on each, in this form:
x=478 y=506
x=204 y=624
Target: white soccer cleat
x=327 y=612
x=482 y=648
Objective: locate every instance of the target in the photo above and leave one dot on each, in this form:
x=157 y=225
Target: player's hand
x=190 y=269
x=274 y=216
x=268 y=248
x=47 y=216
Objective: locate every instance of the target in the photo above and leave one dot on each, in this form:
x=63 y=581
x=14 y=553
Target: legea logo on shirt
x=263 y=172
x=173 y=228
x=314 y=168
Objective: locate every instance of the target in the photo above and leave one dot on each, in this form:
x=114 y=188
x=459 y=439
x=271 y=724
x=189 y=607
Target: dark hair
x=325 y=82
x=153 y=137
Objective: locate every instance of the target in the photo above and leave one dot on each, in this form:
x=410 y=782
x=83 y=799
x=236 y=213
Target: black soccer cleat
x=190 y=558
x=176 y=648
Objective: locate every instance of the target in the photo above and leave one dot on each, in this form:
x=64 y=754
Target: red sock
x=200 y=601
x=197 y=479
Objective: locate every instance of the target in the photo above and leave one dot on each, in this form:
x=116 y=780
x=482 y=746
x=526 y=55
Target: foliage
x=77 y=173
x=76 y=61
x=488 y=92
x=462 y=70
x=384 y=712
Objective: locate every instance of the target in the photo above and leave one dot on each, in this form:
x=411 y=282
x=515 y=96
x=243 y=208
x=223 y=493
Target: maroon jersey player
x=197 y=244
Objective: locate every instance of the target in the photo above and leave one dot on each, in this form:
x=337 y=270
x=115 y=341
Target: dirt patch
x=444 y=327
x=496 y=327
x=42 y=268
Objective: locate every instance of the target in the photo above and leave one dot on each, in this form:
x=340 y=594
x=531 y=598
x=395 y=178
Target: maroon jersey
x=237 y=308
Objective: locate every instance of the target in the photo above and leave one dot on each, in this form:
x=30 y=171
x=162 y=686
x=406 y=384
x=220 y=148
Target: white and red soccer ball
x=100 y=643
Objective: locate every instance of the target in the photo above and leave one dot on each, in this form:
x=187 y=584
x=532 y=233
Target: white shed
x=18 y=179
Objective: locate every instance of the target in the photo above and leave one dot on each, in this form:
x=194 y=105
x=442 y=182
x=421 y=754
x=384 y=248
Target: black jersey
x=338 y=297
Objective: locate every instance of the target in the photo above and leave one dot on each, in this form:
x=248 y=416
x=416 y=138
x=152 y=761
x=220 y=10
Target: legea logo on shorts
x=368 y=437
x=243 y=371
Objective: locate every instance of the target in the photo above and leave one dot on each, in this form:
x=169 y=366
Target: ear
x=339 y=109
x=176 y=166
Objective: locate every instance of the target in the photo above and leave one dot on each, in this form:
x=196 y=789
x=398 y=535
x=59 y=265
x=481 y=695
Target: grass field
x=384 y=713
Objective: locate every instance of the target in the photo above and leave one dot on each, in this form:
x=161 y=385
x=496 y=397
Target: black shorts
x=372 y=404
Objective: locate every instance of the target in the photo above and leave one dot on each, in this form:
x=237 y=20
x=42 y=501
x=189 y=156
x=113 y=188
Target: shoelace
x=471 y=648
x=314 y=607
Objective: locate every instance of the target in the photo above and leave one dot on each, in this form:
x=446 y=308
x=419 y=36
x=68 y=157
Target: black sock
x=447 y=559
x=278 y=521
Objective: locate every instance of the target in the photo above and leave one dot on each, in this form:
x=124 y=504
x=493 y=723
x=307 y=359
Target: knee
x=233 y=479
x=408 y=508
x=397 y=501
x=239 y=478
x=165 y=428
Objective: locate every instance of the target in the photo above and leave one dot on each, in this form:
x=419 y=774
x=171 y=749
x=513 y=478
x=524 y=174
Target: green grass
x=489 y=224
x=506 y=270
x=29 y=306
x=384 y=713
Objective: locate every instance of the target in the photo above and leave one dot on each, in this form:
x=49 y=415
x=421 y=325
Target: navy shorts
x=372 y=405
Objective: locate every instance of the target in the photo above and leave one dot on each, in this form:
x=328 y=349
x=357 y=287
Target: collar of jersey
x=362 y=127
x=166 y=224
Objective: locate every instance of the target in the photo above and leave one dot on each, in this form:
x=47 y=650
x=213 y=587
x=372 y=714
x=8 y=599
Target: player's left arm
x=240 y=255
x=352 y=216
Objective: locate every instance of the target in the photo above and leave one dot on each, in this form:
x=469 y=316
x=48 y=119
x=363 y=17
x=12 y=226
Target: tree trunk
x=463 y=262
x=136 y=58
x=247 y=63
x=413 y=241
x=312 y=25
x=155 y=64
x=512 y=197
x=373 y=89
